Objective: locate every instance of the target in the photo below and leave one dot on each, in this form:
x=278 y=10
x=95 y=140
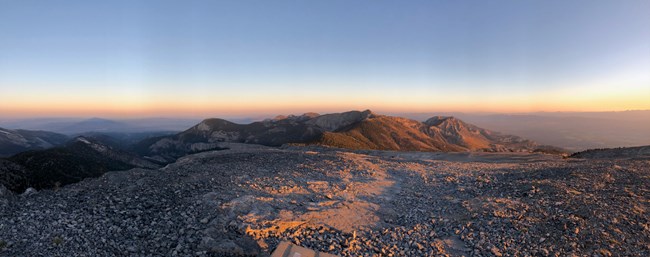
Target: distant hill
x=94 y=125
x=610 y=153
x=16 y=141
x=80 y=158
x=354 y=130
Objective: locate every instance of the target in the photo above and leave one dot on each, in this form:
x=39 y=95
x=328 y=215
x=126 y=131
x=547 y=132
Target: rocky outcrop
x=338 y=121
x=473 y=138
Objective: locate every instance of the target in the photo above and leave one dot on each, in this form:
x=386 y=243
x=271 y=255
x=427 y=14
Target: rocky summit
x=245 y=200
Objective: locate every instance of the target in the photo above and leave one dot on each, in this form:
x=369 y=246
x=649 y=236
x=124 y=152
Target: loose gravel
x=244 y=202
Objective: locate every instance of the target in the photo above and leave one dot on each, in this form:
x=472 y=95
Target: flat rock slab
x=286 y=249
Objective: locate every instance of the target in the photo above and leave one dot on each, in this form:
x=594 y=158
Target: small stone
x=545 y=252
x=29 y=191
x=496 y=251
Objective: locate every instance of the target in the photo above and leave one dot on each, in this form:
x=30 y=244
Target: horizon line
x=256 y=115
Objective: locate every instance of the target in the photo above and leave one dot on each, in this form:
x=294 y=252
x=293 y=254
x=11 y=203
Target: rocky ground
x=244 y=202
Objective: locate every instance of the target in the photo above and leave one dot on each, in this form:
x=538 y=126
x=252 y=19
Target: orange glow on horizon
x=208 y=109
x=604 y=97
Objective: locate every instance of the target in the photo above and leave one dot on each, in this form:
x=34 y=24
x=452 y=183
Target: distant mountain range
x=16 y=141
x=70 y=126
x=353 y=130
x=575 y=131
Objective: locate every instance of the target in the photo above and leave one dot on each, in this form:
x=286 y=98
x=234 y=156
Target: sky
x=208 y=58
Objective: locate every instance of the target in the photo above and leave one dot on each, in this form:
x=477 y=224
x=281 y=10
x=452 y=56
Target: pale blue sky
x=248 y=51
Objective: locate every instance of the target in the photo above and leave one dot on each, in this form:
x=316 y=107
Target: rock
x=29 y=191
x=212 y=198
x=225 y=246
x=496 y=251
x=4 y=191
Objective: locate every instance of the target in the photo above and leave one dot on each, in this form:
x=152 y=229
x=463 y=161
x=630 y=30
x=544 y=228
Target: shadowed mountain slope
x=80 y=158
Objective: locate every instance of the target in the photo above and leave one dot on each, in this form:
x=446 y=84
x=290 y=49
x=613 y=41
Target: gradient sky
x=205 y=58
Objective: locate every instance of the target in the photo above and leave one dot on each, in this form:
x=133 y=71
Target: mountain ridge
x=353 y=130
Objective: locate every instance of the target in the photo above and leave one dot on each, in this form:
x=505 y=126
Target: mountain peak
x=437 y=120
x=336 y=121
x=210 y=124
x=291 y=117
x=368 y=112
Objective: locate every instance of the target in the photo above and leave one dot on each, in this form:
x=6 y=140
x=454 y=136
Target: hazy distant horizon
x=263 y=115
